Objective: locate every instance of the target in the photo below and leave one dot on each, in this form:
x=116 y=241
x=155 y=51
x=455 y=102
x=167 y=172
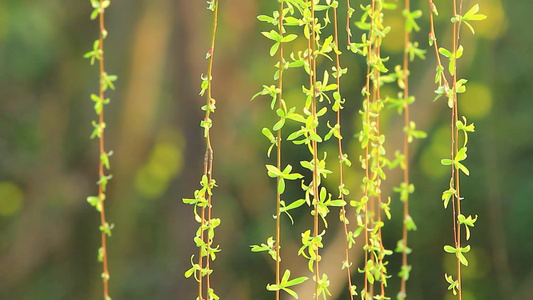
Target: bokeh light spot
x=164 y=163
x=496 y=23
x=437 y=150
x=11 y=198
x=477 y=101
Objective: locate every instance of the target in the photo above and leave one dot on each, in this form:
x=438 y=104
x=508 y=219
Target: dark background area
x=48 y=164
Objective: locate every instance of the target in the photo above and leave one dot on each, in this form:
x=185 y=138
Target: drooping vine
x=371 y=206
x=402 y=103
x=337 y=107
x=312 y=16
x=201 y=268
x=273 y=246
x=106 y=82
x=316 y=195
x=458 y=150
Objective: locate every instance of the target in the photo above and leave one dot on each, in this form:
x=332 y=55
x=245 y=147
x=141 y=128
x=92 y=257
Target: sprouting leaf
x=104 y=159
x=273 y=35
x=468 y=222
x=453 y=284
x=447 y=195
x=103 y=181
x=107 y=81
x=445 y=52
x=289 y=38
x=472 y=15
x=266 y=132
x=450 y=249
x=96 y=53
x=96 y=201
x=458 y=253
x=286 y=283
x=274 y=48
x=446 y=162
x=279 y=124
x=106 y=228
x=267 y=19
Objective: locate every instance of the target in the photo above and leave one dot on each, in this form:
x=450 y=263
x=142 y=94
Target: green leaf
x=459 y=52
x=446 y=196
x=446 y=162
x=108 y=81
x=337 y=203
x=296 y=281
x=266 y=132
x=279 y=124
x=104 y=158
x=450 y=249
x=461 y=154
x=293 y=205
x=445 y=52
x=462 y=258
x=264 y=18
x=289 y=38
x=273 y=35
x=281 y=185
x=94 y=14
x=96 y=202
x=410 y=223
x=292 y=176
x=462 y=167
x=274 y=48
x=106 y=228
x=472 y=14
x=103 y=181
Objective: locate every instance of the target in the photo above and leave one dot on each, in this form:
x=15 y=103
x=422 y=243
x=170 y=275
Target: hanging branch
x=273 y=246
x=371 y=206
x=406 y=188
x=278 y=153
x=343 y=158
x=106 y=81
x=458 y=153
x=203 y=197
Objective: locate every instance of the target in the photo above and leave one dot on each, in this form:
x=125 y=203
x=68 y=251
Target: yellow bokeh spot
x=438 y=149
x=479 y=264
x=164 y=163
x=11 y=198
x=496 y=23
x=394 y=41
x=476 y=102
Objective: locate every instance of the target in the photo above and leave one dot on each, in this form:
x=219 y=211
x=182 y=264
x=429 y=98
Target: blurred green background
x=48 y=165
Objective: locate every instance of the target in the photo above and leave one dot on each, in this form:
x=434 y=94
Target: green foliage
x=286 y=283
x=106 y=81
x=459 y=153
x=202 y=200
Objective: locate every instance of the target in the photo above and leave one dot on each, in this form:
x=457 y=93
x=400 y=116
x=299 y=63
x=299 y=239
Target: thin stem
x=403 y=290
x=348 y=17
x=433 y=37
x=102 y=152
x=455 y=141
x=370 y=91
x=278 y=195
x=206 y=212
x=367 y=174
x=311 y=46
x=201 y=258
x=341 y=154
